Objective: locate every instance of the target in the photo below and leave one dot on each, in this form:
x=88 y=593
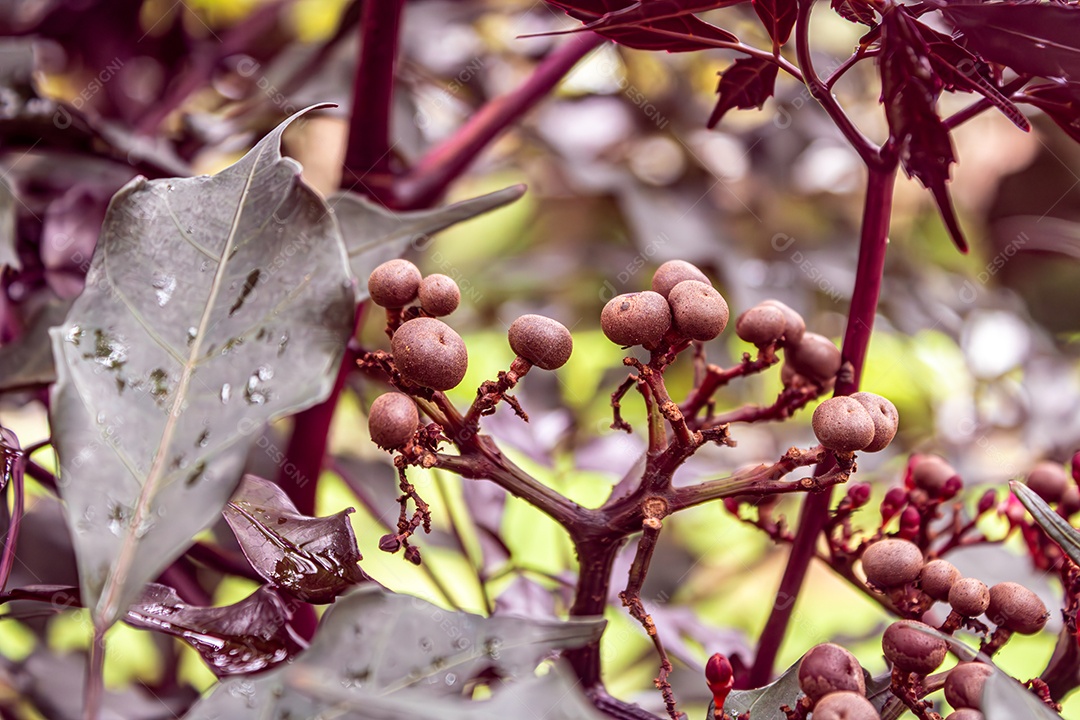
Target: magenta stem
x=877 y=210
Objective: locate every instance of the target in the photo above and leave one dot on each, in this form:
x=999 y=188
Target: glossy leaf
x=658 y=25
x=247 y=637
x=313 y=559
x=778 y=17
x=1061 y=102
x=910 y=91
x=212 y=305
x=374 y=234
x=1031 y=38
x=764 y=703
x=9 y=253
x=748 y=83
x=1057 y=527
x=28 y=360
x=1005 y=699
x=380 y=655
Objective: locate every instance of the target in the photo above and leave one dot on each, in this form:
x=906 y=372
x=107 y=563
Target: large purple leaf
x=1031 y=38
x=909 y=90
x=748 y=83
x=212 y=306
x=249 y=636
x=313 y=559
x=1061 y=102
x=659 y=25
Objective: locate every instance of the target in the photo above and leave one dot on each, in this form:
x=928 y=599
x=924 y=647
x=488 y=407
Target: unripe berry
x=698 y=311
x=937 y=578
x=891 y=504
x=674 y=272
x=761 y=325
x=1070 y=501
x=794 y=325
x=931 y=473
x=845 y=706
x=544 y=342
x=394 y=284
x=429 y=353
x=966 y=714
x=392 y=421
x=890 y=562
x=829 y=668
x=964 y=684
x=912 y=650
x=1017 y=608
x=636 y=319
x=815 y=357
x=969 y=597
x=843 y=425
x=1048 y=480
x=439 y=295
x=885 y=418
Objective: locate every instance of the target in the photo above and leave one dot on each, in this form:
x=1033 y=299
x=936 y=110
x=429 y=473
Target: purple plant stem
x=95 y=685
x=367 y=156
x=16 y=463
x=873 y=242
x=427 y=181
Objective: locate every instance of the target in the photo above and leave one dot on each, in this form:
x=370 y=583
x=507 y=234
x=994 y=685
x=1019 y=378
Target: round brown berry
x=966 y=714
x=761 y=325
x=843 y=425
x=429 y=353
x=969 y=597
x=912 y=650
x=1049 y=481
x=931 y=473
x=815 y=357
x=1017 y=608
x=640 y=318
x=794 y=325
x=828 y=668
x=392 y=421
x=892 y=562
x=1070 y=500
x=674 y=272
x=698 y=311
x=885 y=418
x=439 y=295
x=845 y=706
x=544 y=342
x=937 y=578
x=394 y=284
x=964 y=684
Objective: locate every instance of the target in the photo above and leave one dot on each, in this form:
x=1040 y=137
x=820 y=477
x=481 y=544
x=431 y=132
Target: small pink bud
x=894 y=500
x=732 y=505
x=1076 y=467
x=986 y=502
x=952 y=488
x=720 y=678
x=909 y=524
x=858 y=494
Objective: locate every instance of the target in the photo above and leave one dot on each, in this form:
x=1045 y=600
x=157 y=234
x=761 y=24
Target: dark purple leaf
x=660 y=25
x=778 y=17
x=748 y=83
x=960 y=70
x=909 y=90
x=314 y=559
x=856 y=11
x=249 y=636
x=1061 y=102
x=1031 y=38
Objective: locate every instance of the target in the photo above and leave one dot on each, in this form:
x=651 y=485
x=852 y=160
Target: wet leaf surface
x=212 y=305
x=313 y=559
x=374 y=234
x=379 y=655
x=764 y=703
x=247 y=637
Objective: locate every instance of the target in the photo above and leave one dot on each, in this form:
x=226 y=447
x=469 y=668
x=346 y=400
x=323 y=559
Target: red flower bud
x=1076 y=467
x=720 y=678
x=732 y=505
x=952 y=488
x=894 y=500
x=986 y=502
x=1013 y=511
x=909 y=524
x=858 y=494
